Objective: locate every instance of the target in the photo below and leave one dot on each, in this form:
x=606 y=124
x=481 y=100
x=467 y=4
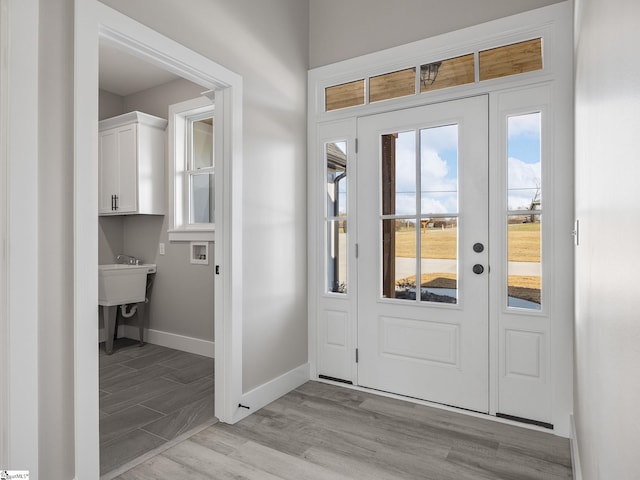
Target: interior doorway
x=95 y=21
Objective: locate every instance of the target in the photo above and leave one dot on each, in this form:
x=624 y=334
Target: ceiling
x=124 y=74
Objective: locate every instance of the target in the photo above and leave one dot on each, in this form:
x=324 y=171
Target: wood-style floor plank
x=322 y=431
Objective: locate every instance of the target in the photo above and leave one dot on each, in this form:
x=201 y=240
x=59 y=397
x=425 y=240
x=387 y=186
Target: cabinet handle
x=113 y=202
x=116 y=201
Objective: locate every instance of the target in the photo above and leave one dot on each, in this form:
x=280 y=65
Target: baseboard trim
x=265 y=394
x=575 y=451
x=165 y=339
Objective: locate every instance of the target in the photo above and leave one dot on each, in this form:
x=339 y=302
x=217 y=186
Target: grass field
x=523 y=238
x=523 y=246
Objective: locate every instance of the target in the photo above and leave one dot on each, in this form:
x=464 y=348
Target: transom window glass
x=419 y=221
x=524 y=211
x=503 y=61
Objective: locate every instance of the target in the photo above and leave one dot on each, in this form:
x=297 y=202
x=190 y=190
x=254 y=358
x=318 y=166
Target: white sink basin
x=119 y=284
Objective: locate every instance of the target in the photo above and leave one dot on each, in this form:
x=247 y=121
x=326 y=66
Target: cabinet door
x=128 y=170
x=109 y=171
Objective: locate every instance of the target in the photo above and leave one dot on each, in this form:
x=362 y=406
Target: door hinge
x=217 y=269
x=357 y=357
x=356 y=250
x=356 y=145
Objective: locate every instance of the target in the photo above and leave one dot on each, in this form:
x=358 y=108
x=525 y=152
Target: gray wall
x=342 y=29
x=182 y=300
x=110 y=105
x=266 y=43
x=55 y=239
x=607 y=333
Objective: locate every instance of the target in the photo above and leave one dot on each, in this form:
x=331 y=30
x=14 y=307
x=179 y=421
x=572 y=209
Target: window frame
x=181 y=116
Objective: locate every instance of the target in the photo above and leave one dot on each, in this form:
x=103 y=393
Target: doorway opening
x=96 y=23
x=156 y=377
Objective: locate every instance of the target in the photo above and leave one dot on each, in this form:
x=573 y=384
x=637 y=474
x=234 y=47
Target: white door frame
x=95 y=21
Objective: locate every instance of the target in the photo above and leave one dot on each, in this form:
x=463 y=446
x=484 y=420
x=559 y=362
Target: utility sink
x=120 y=284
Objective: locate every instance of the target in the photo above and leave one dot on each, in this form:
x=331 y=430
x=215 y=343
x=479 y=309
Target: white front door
x=422 y=229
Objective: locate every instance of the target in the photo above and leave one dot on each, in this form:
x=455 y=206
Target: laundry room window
x=199 y=173
x=192 y=162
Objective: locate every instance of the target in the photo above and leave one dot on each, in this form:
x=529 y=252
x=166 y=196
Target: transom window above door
x=492 y=63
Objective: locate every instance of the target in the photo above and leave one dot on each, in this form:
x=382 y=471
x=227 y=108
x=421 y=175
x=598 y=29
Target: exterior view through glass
x=419 y=214
x=524 y=211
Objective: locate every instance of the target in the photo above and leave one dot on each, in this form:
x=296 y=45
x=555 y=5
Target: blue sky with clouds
x=439 y=167
x=438 y=170
x=524 y=165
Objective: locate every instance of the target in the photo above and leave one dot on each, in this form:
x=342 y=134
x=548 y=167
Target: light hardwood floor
x=322 y=431
x=148 y=396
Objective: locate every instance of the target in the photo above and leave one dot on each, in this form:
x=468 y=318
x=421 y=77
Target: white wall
x=342 y=29
x=266 y=43
x=20 y=421
x=607 y=204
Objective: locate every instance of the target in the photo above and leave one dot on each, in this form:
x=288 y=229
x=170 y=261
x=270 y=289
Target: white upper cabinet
x=131 y=165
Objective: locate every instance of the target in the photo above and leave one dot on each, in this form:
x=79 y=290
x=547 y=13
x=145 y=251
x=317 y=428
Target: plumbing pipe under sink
x=123 y=285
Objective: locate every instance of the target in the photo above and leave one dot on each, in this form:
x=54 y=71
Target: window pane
x=202 y=143
x=336 y=157
x=399 y=259
x=336 y=226
x=439 y=170
x=399 y=173
x=202 y=198
x=524 y=162
x=524 y=267
x=439 y=260
x=337 y=256
x=392 y=85
x=345 y=95
x=511 y=59
x=447 y=73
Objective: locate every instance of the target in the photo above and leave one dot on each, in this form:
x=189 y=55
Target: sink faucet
x=127 y=259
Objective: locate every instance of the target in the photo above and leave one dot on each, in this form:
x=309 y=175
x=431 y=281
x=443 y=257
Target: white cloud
x=524 y=125
x=524 y=180
x=440 y=138
x=524 y=175
x=435 y=172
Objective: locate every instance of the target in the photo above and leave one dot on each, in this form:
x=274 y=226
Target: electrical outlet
x=161 y=249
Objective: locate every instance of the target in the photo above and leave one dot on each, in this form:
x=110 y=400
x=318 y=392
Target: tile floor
x=148 y=396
